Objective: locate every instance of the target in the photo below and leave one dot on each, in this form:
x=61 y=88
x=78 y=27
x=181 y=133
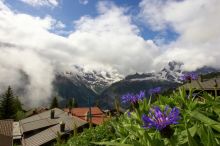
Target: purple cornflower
x=156 y=90
x=133 y=98
x=189 y=76
x=161 y=119
x=129 y=114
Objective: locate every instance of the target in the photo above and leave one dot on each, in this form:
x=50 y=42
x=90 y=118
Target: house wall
x=17 y=141
x=212 y=92
x=6 y=140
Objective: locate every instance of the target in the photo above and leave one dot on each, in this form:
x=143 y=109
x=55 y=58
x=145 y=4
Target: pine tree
x=18 y=108
x=71 y=103
x=54 y=103
x=7 y=110
x=17 y=104
x=20 y=115
x=75 y=104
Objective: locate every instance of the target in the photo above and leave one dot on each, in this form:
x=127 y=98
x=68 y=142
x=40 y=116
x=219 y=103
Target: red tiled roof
x=98 y=116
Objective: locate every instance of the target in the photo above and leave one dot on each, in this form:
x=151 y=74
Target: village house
x=97 y=116
x=211 y=86
x=43 y=128
x=35 y=111
x=6 y=132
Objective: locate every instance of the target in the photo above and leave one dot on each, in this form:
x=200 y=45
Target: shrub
x=104 y=132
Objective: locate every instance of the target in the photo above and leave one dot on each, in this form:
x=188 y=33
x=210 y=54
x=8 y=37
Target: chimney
x=200 y=78
x=52 y=113
x=62 y=126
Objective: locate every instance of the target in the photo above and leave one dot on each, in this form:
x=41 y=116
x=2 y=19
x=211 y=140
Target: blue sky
x=130 y=32
x=69 y=11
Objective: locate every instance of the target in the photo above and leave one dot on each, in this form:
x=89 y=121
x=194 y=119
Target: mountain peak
x=96 y=79
x=174 y=66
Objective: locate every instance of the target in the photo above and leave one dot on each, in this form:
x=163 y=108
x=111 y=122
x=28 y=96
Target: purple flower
x=133 y=98
x=161 y=119
x=129 y=114
x=189 y=76
x=156 y=90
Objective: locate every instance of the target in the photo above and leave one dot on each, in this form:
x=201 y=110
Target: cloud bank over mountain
x=196 y=22
x=110 y=40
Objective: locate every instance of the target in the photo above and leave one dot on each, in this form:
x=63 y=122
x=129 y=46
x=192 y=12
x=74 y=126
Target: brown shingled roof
x=6 y=133
x=206 y=84
x=6 y=127
x=45 y=129
x=50 y=133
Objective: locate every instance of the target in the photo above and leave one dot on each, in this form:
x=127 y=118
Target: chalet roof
x=47 y=127
x=41 y=120
x=6 y=132
x=35 y=111
x=98 y=116
x=205 y=85
x=6 y=127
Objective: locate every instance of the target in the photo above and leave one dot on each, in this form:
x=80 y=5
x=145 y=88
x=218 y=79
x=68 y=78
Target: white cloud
x=14 y=63
x=109 y=40
x=152 y=13
x=112 y=39
x=84 y=2
x=196 y=22
x=30 y=49
x=54 y=24
x=51 y=3
x=59 y=25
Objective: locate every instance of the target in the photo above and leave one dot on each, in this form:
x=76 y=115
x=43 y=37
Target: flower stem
x=172 y=143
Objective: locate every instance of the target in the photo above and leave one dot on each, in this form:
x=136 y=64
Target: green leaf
x=211 y=140
x=203 y=134
x=146 y=135
x=156 y=140
x=183 y=137
x=201 y=117
x=191 y=141
x=111 y=144
x=217 y=110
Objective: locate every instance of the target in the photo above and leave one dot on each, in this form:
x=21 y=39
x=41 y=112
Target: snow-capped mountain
x=95 y=79
x=171 y=72
x=167 y=78
x=103 y=85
